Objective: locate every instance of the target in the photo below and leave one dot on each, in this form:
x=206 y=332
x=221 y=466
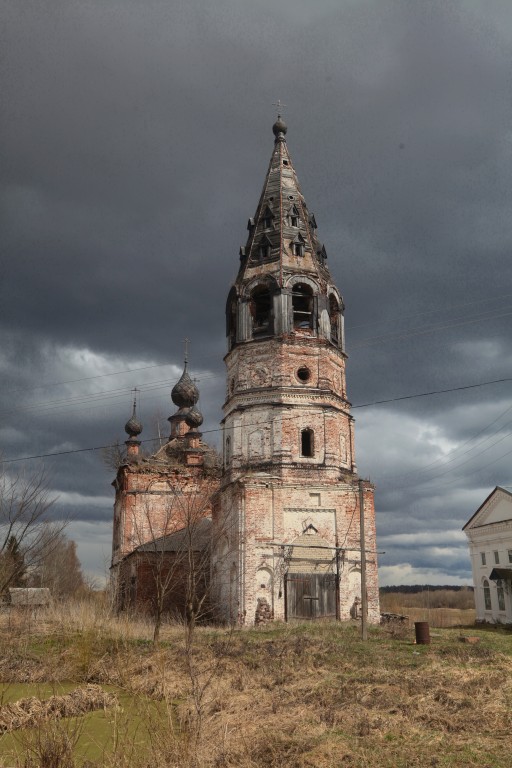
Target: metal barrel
x=422 y=632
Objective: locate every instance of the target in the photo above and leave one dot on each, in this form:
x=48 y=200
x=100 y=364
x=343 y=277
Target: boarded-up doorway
x=310 y=596
x=310 y=583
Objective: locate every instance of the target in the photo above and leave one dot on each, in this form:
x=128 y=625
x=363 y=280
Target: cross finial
x=186 y=342
x=279 y=106
x=135 y=390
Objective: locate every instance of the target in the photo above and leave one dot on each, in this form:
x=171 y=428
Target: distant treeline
x=412 y=589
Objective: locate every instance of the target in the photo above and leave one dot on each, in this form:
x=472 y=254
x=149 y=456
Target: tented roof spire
x=282 y=234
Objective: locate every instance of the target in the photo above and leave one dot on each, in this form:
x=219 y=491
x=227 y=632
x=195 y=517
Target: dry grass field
x=308 y=696
x=441 y=608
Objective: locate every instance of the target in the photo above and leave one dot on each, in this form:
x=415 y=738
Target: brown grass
x=441 y=608
x=27 y=713
x=299 y=696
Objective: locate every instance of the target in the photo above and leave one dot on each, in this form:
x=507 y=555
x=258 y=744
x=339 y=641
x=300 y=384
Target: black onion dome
x=185 y=393
x=194 y=418
x=279 y=127
x=133 y=427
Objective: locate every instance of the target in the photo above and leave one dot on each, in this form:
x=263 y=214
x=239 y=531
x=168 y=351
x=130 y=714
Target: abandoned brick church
x=272 y=531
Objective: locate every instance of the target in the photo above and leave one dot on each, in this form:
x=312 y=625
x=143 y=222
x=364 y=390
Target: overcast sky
x=136 y=136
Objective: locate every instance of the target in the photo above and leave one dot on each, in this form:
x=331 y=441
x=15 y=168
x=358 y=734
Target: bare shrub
x=27 y=535
x=51 y=745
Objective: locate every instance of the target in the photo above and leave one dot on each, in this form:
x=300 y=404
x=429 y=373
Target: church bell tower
x=286 y=528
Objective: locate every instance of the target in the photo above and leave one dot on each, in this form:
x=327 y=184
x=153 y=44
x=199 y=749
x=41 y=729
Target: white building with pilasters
x=489 y=534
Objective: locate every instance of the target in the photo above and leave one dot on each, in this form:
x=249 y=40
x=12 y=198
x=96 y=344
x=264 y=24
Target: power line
x=93 y=397
x=422 y=331
x=90 y=378
x=444 y=483
x=365 y=342
x=291 y=418
x=433 y=392
x=121 y=392
x=443 y=461
x=435 y=311
x=435 y=471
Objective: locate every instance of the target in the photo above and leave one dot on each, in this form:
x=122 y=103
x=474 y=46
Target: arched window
x=293 y=216
x=231 y=312
x=297 y=245
x=501 y=596
x=232 y=323
x=261 y=311
x=307 y=447
x=267 y=218
x=302 y=303
x=487 y=596
x=265 y=248
x=334 y=317
x=227 y=453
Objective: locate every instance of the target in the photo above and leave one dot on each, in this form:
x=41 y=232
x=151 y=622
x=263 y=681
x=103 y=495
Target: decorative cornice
x=310 y=510
x=486 y=528
x=307 y=398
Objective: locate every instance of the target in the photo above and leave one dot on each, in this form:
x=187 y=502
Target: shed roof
x=198 y=536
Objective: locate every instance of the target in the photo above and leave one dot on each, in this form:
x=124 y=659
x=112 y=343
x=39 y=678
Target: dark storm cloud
x=136 y=137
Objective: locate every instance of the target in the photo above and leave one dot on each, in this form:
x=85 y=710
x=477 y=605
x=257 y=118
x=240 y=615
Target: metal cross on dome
x=186 y=343
x=279 y=106
x=135 y=391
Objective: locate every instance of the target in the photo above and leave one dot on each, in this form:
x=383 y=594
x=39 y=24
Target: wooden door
x=310 y=596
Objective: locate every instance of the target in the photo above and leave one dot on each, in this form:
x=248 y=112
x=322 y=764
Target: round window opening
x=303 y=374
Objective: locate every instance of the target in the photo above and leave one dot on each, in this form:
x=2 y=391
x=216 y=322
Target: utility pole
x=364 y=600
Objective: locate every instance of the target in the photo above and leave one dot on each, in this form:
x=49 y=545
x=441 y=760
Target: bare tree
x=167 y=570
x=59 y=568
x=174 y=560
x=26 y=533
x=113 y=456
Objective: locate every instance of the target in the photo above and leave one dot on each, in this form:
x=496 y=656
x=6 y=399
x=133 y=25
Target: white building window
x=487 y=596
x=510 y=555
x=501 y=596
x=483 y=558
x=496 y=557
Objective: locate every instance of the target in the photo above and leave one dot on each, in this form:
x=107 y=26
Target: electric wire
x=445 y=483
x=291 y=418
x=432 y=392
x=467 y=461
x=423 y=331
x=436 y=311
x=90 y=378
x=363 y=343
x=441 y=459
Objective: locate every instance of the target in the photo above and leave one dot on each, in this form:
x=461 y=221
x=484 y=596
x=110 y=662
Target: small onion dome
x=133 y=427
x=185 y=393
x=279 y=127
x=194 y=418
